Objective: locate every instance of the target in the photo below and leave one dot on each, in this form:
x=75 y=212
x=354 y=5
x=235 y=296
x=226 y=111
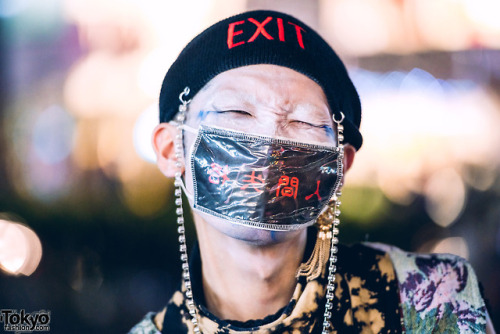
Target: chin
x=256 y=236
x=251 y=235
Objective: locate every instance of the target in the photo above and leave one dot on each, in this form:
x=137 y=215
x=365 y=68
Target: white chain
x=179 y=155
x=332 y=269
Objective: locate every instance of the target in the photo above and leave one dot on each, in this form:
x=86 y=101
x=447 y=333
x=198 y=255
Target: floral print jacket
x=439 y=293
x=379 y=289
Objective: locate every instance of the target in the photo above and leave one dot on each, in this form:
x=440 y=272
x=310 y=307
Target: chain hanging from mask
x=326 y=242
x=179 y=156
x=328 y=228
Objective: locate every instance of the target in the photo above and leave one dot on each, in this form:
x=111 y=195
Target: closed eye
x=328 y=130
x=319 y=126
x=241 y=112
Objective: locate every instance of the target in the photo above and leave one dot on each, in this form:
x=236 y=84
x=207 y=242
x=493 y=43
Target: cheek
x=188 y=142
x=207 y=117
x=329 y=133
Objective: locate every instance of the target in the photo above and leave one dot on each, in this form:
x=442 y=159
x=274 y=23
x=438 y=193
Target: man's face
x=266 y=100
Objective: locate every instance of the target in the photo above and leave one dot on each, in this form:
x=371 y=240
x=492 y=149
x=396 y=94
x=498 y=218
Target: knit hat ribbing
x=263 y=37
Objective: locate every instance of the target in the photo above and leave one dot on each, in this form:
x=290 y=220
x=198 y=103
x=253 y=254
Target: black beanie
x=263 y=37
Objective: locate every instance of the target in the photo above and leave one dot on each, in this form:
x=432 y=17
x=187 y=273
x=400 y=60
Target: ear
x=163 y=145
x=349 y=153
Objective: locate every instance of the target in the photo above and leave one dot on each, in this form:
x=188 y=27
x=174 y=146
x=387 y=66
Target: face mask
x=264 y=182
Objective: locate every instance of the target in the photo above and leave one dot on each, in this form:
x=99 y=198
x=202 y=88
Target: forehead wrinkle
x=233 y=90
x=275 y=95
x=231 y=97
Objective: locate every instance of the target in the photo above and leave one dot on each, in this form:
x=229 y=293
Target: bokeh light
x=428 y=125
x=20 y=249
x=53 y=135
x=483 y=13
x=445 y=16
x=153 y=69
x=368 y=36
x=452 y=245
x=143 y=130
x=445 y=196
x=9 y=8
x=364 y=28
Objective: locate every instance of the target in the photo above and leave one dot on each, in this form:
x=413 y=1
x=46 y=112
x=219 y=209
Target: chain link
x=179 y=155
x=332 y=268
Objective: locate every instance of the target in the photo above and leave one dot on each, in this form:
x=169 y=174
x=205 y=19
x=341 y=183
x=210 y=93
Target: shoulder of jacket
x=438 y=292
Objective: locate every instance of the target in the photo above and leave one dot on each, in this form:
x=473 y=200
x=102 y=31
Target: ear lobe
x=349 y=153
x=163 y=145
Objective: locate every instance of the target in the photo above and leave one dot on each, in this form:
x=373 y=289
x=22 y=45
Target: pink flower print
x=435 y=285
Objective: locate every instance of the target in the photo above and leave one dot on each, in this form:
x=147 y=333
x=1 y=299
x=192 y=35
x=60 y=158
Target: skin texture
x=249 y=273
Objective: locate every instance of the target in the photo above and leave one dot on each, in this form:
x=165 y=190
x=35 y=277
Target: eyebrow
x=233 y=95
x=308 y=107
x=234 y=91
x=247 y=99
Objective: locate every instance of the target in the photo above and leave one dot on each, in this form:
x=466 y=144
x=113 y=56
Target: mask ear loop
x=179 y=155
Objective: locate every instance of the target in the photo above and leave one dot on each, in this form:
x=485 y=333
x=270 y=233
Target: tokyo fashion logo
x=25 y=322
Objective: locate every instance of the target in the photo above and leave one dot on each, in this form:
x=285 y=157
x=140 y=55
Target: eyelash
x=234 y=111
x=313 y=125
x=245 y=113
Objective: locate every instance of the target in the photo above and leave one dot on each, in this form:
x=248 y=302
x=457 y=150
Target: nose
x=284 y=131
x=273 y=126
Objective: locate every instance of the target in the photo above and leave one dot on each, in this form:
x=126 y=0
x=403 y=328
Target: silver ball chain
x=179 y=155
x=332 y=269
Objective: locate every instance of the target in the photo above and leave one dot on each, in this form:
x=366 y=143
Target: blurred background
x=87 y=226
